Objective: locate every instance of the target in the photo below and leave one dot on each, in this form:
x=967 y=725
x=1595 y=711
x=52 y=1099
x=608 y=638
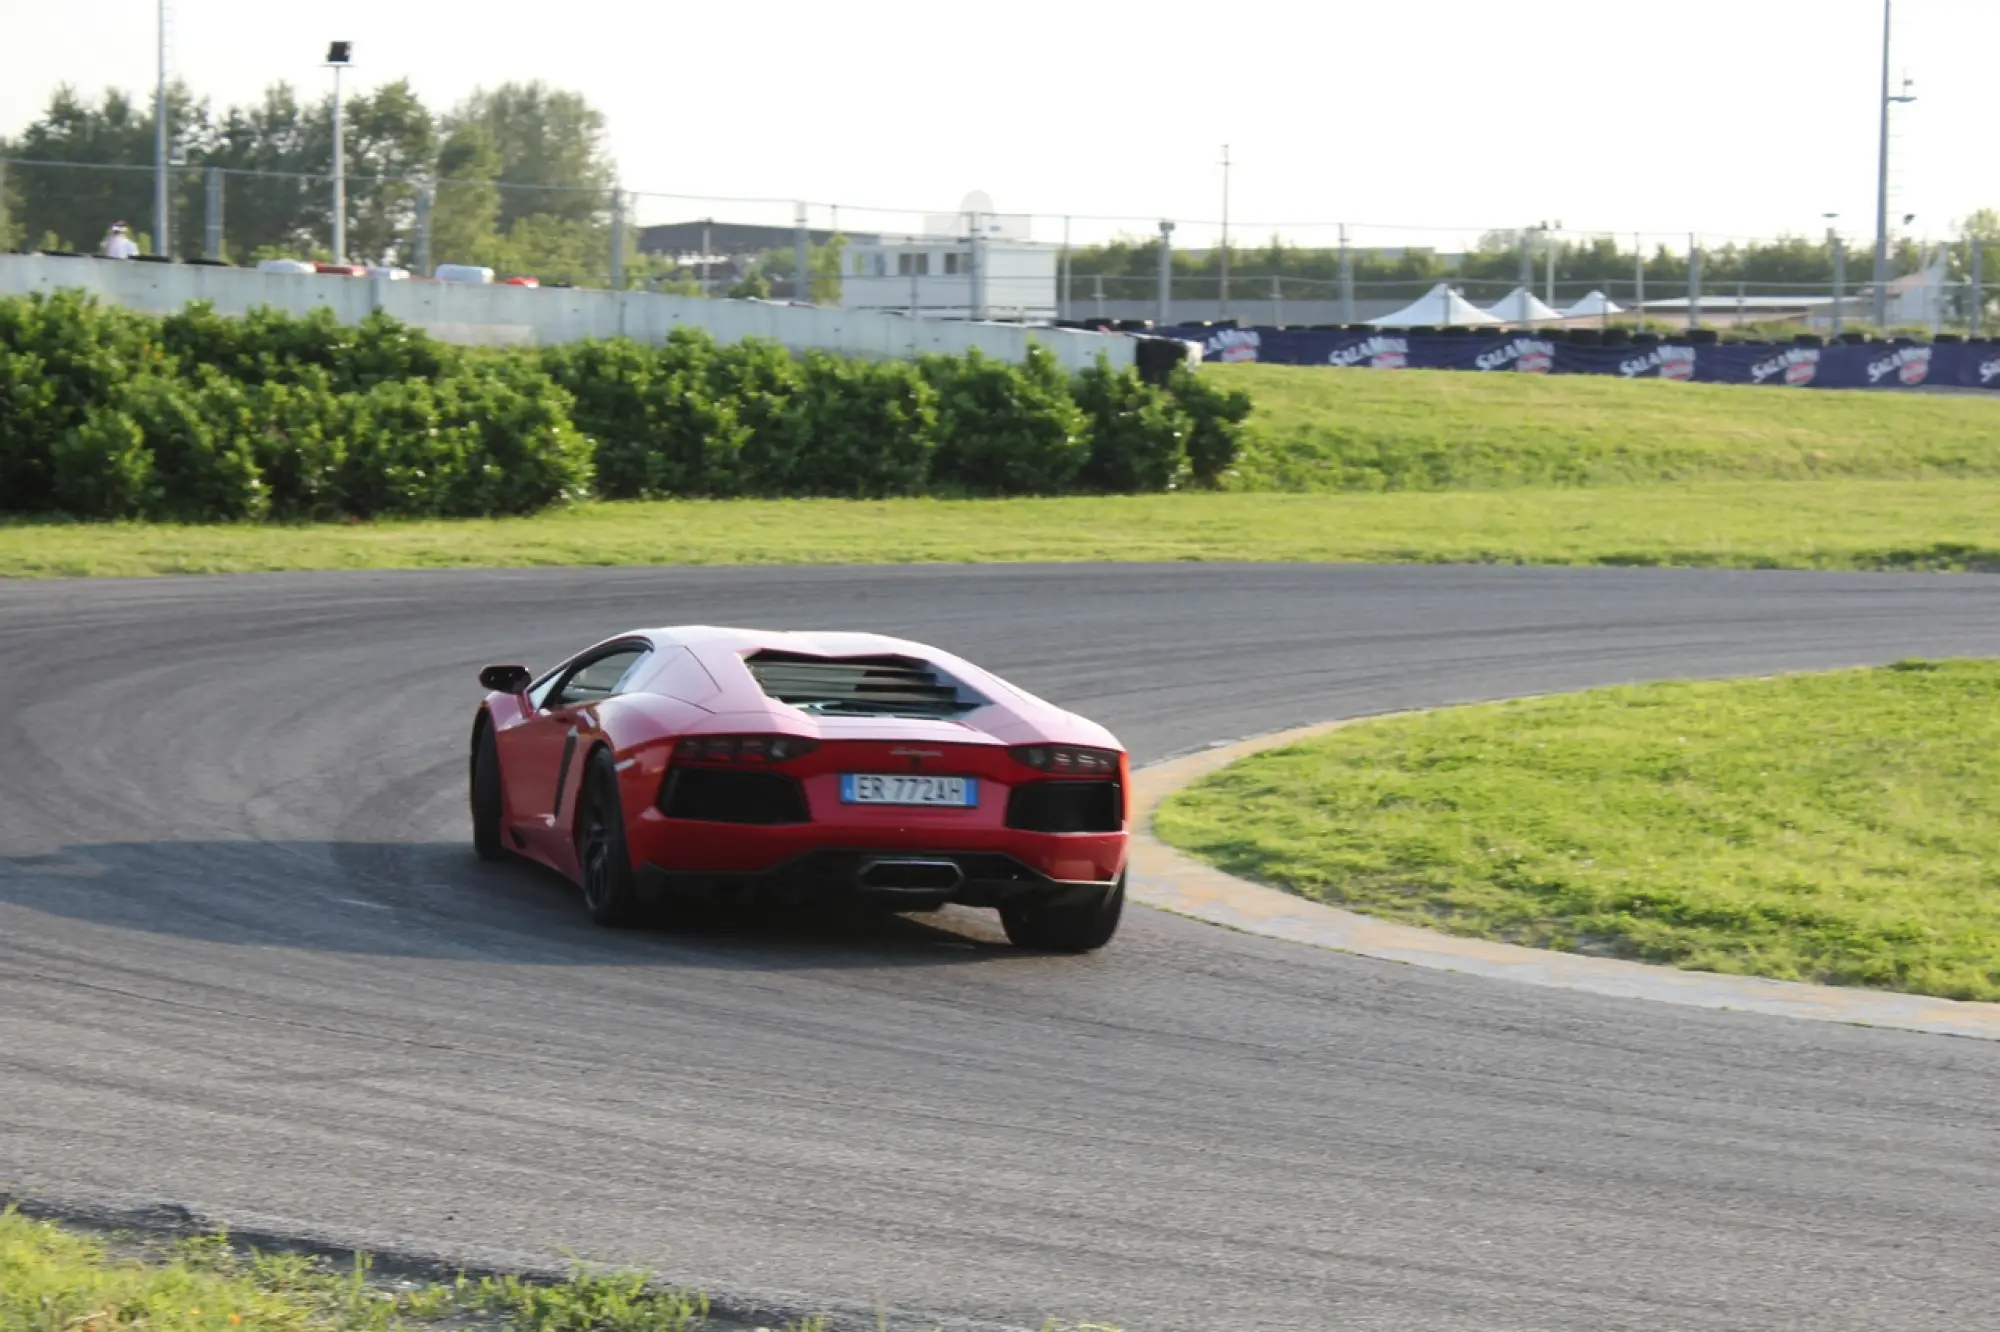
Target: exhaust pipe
x=911 y=876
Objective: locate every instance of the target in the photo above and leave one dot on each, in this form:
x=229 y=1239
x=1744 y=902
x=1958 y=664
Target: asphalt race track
x=249 y=964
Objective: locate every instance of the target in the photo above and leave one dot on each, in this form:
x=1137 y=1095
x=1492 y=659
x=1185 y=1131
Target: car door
x=542 y=756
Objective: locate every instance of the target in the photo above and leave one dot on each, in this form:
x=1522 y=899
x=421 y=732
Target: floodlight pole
x=1550 y=288
x=1882 y=177
x=338 y=55
x=160 y=220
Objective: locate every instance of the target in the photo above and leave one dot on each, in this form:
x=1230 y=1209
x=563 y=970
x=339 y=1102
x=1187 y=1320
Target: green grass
x=58 y=1279
x=1322 y=429
x=1841 y=828
x=54 y=1279
x=1808 y=525
x=1420 y=466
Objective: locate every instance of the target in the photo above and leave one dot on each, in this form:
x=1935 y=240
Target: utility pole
x=1694 y=282
x=1223 y=310
x=1638 y=279
x=1166 y=272
x=1882 y=177
x=617 y=238
x=1978 y=285
x=161 y=240
x=1549 y=291
x=421 y=243
x=338 y=56
x=211 y=241
x=1062 y=309
x=1346 y=279
x=801 y=247
x=974 y=272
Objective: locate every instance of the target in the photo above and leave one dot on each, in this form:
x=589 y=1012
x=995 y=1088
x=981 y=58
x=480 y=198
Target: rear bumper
x=899 y=877
x=703 y=847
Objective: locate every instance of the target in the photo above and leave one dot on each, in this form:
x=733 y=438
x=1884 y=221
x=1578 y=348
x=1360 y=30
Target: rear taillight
x=1068 y=760
x=742 y=749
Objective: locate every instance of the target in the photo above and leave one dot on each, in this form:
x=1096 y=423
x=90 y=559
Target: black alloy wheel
x=488 y=799
x=608 y=889
x=1065 y=929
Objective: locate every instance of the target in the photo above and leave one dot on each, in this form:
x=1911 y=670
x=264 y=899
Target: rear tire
x=1064 y=929
x=488 y=801
x=610 y=892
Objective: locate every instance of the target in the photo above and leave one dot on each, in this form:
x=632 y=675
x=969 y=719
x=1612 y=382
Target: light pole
x=160 y=238
x=339 y=55
x=1549 y=234
x=1166 y=272
x=1882 y=177
x=1839 y=252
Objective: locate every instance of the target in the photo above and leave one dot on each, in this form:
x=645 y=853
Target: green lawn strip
x=1326 y=429
x=1847 y=524
x=55 y=1279
x=1840 y=828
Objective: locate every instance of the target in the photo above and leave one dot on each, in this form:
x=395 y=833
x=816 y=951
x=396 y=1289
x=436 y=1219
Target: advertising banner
x=1885 y=365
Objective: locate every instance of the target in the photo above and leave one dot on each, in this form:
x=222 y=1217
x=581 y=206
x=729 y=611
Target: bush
x=1138 y=434
x=758 y=384
x=1216 y=416
x=1006 y=430
x=270 y=346
x=203 y=469
x=495 y=440
x=60 y=357
x=101 y=468
x=105 y=413
x=860 y=429
x=657 y=417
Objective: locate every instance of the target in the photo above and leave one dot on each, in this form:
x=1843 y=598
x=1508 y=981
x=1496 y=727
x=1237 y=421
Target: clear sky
x=1735 y=118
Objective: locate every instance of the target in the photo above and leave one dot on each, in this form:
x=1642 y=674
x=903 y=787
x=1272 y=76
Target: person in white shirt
x=118 y=242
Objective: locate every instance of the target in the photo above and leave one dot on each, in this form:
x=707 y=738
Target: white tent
x=1597 y=303
x=1440 y=306
x=1521 y=306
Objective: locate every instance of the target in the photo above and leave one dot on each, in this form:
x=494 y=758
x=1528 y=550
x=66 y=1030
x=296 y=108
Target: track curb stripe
x=1165 y=878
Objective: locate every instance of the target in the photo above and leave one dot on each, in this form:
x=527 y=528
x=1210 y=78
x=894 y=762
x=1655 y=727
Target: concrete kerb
x=1165 y=878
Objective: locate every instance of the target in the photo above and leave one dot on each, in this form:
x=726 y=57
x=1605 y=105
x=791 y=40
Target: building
x=952 y=277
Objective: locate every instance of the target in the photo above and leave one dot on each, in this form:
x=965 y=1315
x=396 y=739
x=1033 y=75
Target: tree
x=111 y=146
x=273 y=198
x=549 y=149
x=390 y=142
x=824 y=266
x=466 y=211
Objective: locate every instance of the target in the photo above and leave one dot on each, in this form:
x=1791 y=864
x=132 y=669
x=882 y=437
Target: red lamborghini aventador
x=732 y=765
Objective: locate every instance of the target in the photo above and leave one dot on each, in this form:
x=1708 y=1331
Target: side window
x=596 y=679
x=538 y=692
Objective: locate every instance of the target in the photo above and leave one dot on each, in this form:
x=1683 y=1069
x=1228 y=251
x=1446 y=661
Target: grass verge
x=54 y=1279
x=1845 y=524
x=1839 y=828
x=59 y=1279
x=1321 y=429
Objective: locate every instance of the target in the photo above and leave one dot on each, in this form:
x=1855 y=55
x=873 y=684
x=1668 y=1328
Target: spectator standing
x=118 y=242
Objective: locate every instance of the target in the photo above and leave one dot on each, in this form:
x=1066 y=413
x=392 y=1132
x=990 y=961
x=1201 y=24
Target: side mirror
x=505 y=679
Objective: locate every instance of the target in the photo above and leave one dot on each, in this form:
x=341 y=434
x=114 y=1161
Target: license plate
x=874 y=788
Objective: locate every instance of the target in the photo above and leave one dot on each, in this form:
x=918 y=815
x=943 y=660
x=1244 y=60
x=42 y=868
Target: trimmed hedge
x=105 y=413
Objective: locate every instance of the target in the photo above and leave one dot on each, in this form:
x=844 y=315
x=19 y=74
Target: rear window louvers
x=861 y=686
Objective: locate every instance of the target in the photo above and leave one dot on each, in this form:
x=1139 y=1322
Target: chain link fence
x=975 y=261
